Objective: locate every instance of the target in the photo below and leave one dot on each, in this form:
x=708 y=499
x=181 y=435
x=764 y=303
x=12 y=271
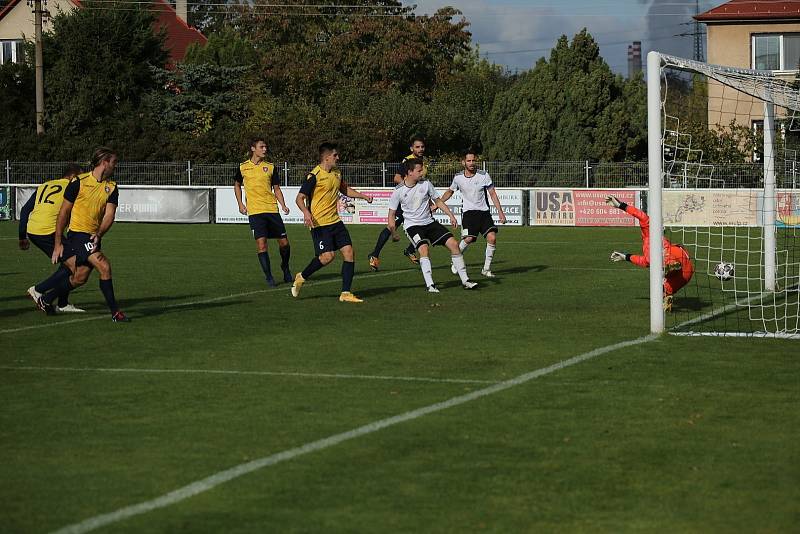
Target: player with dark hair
x=89 y=208
x=417 y=148
x=476 y=219
x=678 y=268
x=37 y=225
x=318 y=199
x=415 y=196
x=262 y=187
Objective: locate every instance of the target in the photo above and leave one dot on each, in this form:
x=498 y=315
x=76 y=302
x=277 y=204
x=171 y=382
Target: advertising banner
x=163 y=205
x=5 y=203
x=591 y=208
x=22 y=196
x=356 y=211
x=554 y=207
x=788 y=207
x=710 y=207
x=151 y=205
x=511 y=200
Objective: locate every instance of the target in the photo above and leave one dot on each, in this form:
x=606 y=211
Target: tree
x=99 y=65
x=571 y=107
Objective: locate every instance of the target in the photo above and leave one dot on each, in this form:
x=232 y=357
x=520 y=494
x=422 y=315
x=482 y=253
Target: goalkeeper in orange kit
x=678 y=268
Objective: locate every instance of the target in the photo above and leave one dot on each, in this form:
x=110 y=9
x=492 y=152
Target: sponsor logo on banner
x=553 y=207
x=788 y=207
x=5 y=203
x=710 y=207
x=510 y=201
x=591 y=208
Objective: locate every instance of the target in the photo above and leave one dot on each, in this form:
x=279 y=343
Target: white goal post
x=738 y=113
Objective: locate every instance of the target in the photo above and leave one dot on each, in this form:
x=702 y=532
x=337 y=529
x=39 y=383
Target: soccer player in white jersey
x=476 y=188
x=414 y=197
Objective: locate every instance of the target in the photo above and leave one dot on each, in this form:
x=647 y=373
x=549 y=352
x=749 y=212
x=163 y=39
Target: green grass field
x=216 y=370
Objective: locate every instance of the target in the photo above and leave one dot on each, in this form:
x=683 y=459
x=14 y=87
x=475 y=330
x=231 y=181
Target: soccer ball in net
x=724 y=271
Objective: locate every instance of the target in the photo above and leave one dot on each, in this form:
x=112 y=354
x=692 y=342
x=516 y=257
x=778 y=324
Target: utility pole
x=698 y=35
x=38 y=13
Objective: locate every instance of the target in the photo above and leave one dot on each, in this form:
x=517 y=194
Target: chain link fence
x=567 y=174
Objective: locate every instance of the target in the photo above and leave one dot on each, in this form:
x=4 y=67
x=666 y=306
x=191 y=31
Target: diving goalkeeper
x=678 y=268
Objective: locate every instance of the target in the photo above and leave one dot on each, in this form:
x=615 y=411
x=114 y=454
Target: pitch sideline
x=212 y=481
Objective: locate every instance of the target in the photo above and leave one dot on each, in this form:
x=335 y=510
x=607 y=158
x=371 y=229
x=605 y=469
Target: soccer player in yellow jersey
x=417 y=148
x=318 y=199
x=263 y=195
x=89 y=208
x=37 y=225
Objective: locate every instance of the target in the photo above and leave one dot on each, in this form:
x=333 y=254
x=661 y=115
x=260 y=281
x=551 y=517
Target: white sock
x=487 y=263
x=427 y=271
x=461 y=268
x=462 y=246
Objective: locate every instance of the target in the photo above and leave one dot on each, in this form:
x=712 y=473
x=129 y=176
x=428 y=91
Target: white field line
x=194 y=303
x=246 y=373
x=221 y=477
x=255 y=292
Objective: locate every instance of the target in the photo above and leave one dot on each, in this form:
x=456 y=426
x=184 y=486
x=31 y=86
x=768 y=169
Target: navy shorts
x=45 y=243
x=269 y=225
x=429 y=234
x=79 y=244
x=330 y=238
x=475 y=223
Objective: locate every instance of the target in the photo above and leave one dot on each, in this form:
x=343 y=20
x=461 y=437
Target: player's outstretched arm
x=61 y=223
x=611 y=200
x=108 y=221
x=619 y=256
x=352 y=193
x=390 y=223
x=237 y=190
x=442 y=206
x=302 y=201
x=24 y=214
x=279 y=196
x=496 y=201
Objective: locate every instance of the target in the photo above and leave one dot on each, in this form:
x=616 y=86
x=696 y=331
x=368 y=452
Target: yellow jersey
x=322 y=189
x=49 y=197
x=258 y=181
x=89 y=198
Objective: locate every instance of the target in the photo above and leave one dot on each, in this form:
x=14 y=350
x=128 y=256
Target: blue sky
x=515 y=33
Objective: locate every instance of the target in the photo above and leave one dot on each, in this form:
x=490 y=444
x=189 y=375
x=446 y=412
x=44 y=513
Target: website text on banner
x=579 y=207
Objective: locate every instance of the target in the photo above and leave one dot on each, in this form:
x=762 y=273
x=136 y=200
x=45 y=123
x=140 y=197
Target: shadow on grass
x=94 y=307
x=177 y=308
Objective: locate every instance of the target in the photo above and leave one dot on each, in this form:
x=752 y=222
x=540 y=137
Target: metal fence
x=568 y=174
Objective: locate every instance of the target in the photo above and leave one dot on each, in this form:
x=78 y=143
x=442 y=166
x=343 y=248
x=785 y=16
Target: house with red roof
x=751 y=34
x=754 y=34
x=17 y=26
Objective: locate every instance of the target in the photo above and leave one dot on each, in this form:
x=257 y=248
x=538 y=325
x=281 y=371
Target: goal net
x=724 y=175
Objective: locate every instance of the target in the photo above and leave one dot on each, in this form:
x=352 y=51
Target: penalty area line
x=131 y=370
x=184 y=304
x=212 y=481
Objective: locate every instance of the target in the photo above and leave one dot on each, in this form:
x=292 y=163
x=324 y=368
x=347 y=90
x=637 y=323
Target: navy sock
x=107 y=287
x=348 y=271
x=63 y=287
x=263 y=259
x=285 y=253
x=51 y=282
x=382 y=239
x=314 y=266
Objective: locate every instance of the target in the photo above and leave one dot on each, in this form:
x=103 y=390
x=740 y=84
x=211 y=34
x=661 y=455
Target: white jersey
x=415 y=202
x=474 y=190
